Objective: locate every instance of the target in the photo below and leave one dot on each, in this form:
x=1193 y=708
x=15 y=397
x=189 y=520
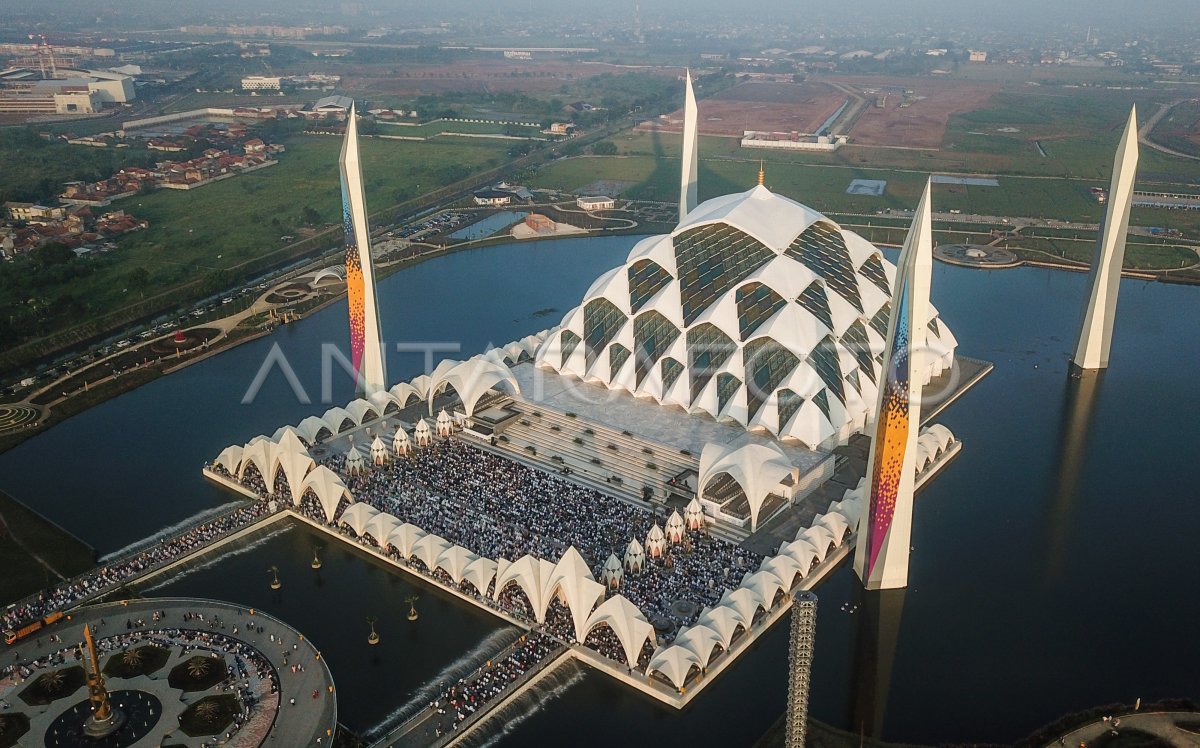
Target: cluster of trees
x=28 y=305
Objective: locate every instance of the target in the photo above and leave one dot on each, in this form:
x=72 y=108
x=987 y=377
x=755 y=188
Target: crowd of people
x=500 y=508
x=251 y=677
x=470 y=693
x=118 y=572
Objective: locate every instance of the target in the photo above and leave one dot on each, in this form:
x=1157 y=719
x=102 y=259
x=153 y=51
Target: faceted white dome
x=756 y=310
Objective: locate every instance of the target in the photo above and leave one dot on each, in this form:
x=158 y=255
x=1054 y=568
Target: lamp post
x=373 y=639
x=316 y=562
x=412 y=607
x=275 y=583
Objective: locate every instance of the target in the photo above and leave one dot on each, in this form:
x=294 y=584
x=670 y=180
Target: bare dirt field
x=485 y=76
x=770 y=107
x=915 y=110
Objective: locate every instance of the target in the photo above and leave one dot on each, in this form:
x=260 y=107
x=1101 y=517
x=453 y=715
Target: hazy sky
x=1127 y=13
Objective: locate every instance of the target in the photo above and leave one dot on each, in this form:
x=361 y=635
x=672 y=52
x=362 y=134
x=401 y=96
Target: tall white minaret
x=690 y=176
x=1100 y=310
x=885 y=530
x=366 y=340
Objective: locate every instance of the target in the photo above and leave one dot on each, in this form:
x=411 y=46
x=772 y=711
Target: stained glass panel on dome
x=671 y=369
x=708 y=350
x=712 y=259
x=879 y=323
x=814 y=300
x=856 y=341
x=824 y=359
x=873 y=271
x=653 y=334
x=822 y=401
x=727 y=387
x=646 y=278
x=789 y=402
x=756 y=303
x=767 y=364
x=602 y=321
x=568 y=340
x=617 y=356
x=823 y=250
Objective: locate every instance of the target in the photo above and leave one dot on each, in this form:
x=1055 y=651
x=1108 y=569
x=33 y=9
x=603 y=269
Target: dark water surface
x=1054 y=564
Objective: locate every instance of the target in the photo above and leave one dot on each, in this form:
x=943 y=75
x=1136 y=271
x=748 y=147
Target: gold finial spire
x=762 y=174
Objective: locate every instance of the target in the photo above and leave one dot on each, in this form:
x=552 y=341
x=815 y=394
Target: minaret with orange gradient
x=366 y=339
x=885 y=530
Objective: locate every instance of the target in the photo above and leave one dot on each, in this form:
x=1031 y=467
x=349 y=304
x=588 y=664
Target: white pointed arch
x=700 y=640
x=674 y=663
x=357 y=516
x=404 y=538
x=328 y=488
x=573 y=584
x=428 y=549
x=626 y=621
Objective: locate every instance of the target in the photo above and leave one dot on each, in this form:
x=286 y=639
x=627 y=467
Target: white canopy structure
x=572 y=583
x=259 y=452
x=693 y=514
x=355 y=462
x=310 y=428
x=673 y=663
x=379 y=452
x=400 y=442
x=700 y=640
x=675 y=528
x=802 y=553
x=613 y=572
x=530 y=574
x=635 y=557
x=837 y=524
x=745 y=601
x=820 y=538
x=357 y=516
x=445 y=426
x=295 y=466
x=422 y=434
x=787 y=328
x=230 y=459
x=362 y=410
x=290 y=440
x=404 y=538
x=656 y=542
x=757 y=468
x=429 y=549
x=381 y=527
x=626 y=621
x=723 y=620
x=764 y=585
x=454 y=561
x=480 y=573
x=471 y=380
x=328 y=488
x=785 y=568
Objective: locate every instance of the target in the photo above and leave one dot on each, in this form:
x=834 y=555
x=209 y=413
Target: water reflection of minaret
x=874 y=654
x=1083 y=387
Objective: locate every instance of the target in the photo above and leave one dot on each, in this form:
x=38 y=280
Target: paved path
x=299 y=725
x=1160 y=724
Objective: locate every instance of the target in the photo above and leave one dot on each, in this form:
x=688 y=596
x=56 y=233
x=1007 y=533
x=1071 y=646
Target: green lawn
x=222 y=224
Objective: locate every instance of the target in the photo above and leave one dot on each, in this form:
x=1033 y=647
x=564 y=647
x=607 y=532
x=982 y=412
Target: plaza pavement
x=310 y=722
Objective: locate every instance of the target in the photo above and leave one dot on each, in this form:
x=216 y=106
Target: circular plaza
x=165 y=672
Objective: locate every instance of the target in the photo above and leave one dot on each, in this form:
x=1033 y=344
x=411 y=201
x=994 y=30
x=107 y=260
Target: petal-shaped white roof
x=674 y=662
x=357 y=516
x=454 y=561
x=744 y=600
x=700 y=640
x=723 y=620
x=626 y=621
x=573 y=583
x=799 y=287
x=429 y=548
x=404 y=538
x=230 y=458
x=328 y=488
x=381 y=527
x=480 y=573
